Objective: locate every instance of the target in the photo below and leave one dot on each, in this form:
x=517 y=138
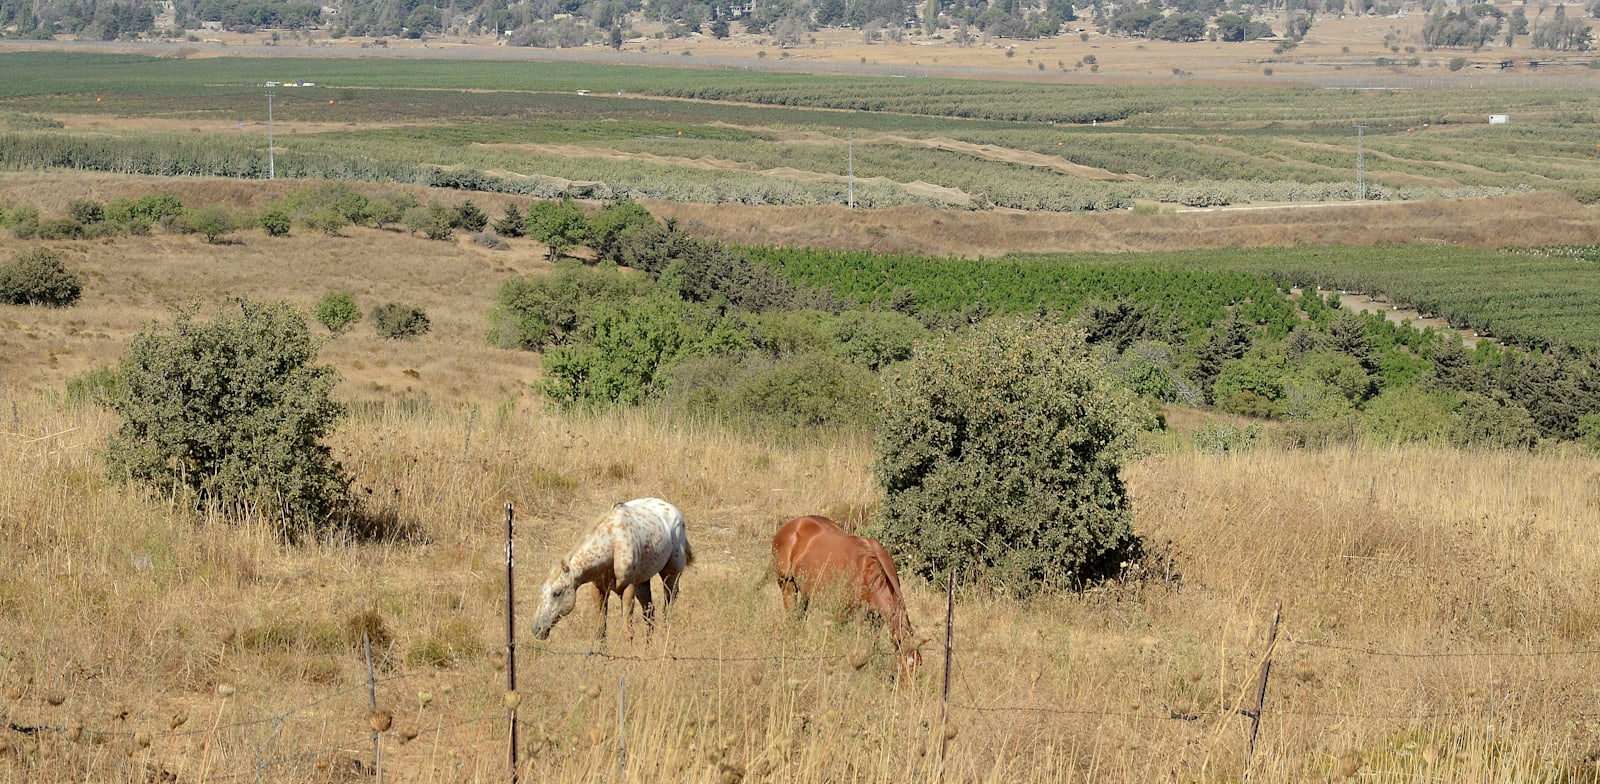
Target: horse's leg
x=642 y=590
x=669 y=583
x=628 y=595
x=602 y=597
x=786 y=587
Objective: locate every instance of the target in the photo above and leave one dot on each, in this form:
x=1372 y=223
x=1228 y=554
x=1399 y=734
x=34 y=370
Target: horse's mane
x=593 y=528
x=889 y=578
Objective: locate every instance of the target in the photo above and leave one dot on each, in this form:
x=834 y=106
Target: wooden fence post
x=372 y=702
x=511 y=635
x=949 y=644
x=1261 y=686
x=622 y=728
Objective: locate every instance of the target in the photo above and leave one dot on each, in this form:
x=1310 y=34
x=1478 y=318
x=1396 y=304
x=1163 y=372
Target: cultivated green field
x=1534 y=298
x=770 y=138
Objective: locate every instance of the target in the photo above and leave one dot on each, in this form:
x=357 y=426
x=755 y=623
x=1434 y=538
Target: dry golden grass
x=1439 y=607
x=1476 y=571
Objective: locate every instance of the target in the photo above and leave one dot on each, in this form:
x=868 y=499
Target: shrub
x=1457 y=63
x=1219 y=437
x=876 y=339
x=387 y=208
x=232 y=413
x=631 y=348
x=213 y=221
x=534 y=311
x=27 y=213
x=86 y=211
x=99 y=386
x=328 y=220
x=807 y=391
x=60 y=229
x=557 y=224
x=398 y=322
x=437 y=221
x=1493 y=423
x=337 y=311
x=1002 y=453
x=275 y=221
x=39 y=277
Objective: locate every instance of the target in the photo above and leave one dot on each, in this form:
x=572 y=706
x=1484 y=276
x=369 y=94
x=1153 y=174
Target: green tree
x=630 y=347
x=535 y=311
x=439 y=221
x=1001 y=452
x=470 y=217
x=39 y=277
x=337 y=311
x=1224 y=343
x=328 y=220
x=613 y=225
x=1492 y=422
x=86 y=211
x=512 y=224
x=232 y=413
x=213 y=221
x=558 y=224
x=275 y=221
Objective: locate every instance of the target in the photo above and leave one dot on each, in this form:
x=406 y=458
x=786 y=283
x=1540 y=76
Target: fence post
x=1261 y=685
x=511 y=636
x=372 y=702
x=949 y=644
x=622 y=728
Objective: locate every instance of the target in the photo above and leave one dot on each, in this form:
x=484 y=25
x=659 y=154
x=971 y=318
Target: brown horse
x=812 y=555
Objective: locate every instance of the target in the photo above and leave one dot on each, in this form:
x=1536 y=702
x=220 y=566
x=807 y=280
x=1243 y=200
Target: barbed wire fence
x=267 y=762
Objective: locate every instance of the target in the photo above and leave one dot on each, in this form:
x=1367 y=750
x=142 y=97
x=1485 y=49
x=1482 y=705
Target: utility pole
x=272 y=170
x=1361 y=161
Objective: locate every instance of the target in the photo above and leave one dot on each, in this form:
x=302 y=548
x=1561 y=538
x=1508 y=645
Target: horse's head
x=910 y=658
x=557 y=598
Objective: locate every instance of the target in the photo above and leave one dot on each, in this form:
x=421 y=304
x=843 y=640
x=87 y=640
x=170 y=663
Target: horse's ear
x=565 y=568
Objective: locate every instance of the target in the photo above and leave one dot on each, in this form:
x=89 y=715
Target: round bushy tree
x=232 y=413
x=39 y=277
x=1001 y=452
x=337 y=311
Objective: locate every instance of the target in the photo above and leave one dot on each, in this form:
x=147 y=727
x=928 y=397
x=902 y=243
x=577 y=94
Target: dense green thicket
x=999 y=454
x=232 y=413
x=1201 y=329
x=39 y=277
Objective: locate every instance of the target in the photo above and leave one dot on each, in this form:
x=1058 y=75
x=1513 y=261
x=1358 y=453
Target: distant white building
x=1499 y=119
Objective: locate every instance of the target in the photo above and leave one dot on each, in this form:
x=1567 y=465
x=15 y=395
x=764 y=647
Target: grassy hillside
x=1437 y=622
x=1437 y=606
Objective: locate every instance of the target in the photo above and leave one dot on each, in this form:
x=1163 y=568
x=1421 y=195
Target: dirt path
x=941 y=194
x=1362 y=303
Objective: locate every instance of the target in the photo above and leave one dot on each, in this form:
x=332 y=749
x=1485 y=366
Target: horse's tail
x=688 y=552
x=767 y=576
